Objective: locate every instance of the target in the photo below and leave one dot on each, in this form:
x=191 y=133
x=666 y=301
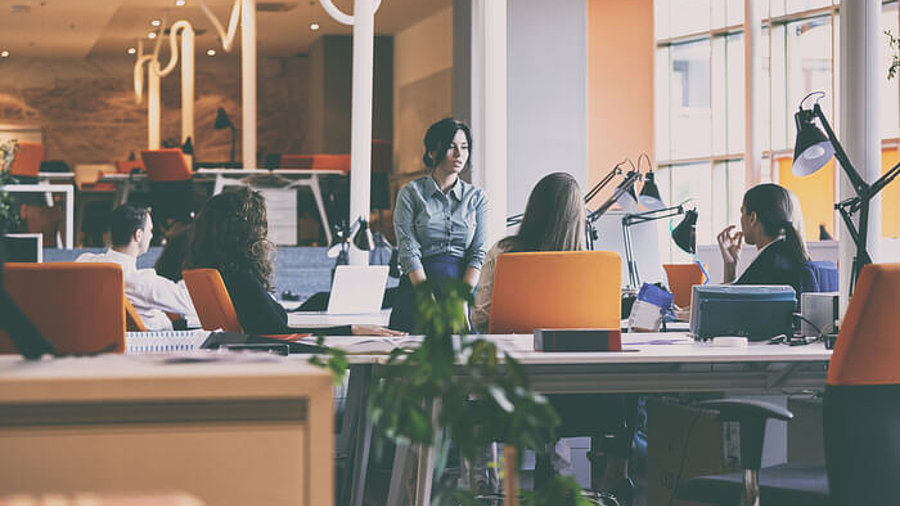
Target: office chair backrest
x=133 y=321
x=27 y=161
x=861 y=406
x=163 y=165
x=211 y=300
x=556 y=289
x=820 y=276
x=126 y=166
x=682 y=277
x=78 y=306
x=867 y=351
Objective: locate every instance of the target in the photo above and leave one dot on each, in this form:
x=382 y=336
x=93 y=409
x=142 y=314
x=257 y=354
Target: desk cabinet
x=228 y=433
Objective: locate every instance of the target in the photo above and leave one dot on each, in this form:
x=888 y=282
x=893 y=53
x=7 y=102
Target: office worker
x=131 y=230
x=768 y=215
x=438 y=220
x=231 y=235
x=554 y=220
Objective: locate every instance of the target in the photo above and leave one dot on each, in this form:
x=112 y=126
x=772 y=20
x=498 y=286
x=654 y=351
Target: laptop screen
x=357 y=289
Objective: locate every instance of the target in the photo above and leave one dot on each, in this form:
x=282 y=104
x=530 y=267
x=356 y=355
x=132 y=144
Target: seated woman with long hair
x=554 y=221
x=230 y=235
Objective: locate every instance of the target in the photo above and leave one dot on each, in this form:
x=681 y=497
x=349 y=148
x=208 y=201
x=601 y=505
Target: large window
x=700 y=105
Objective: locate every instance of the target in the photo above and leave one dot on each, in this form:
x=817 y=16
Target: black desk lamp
x=359 y=235
x=684 y=235
x=623 y=195
x=223 y=122
x=813 y=149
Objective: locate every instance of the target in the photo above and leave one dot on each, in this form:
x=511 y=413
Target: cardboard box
x=684 y=442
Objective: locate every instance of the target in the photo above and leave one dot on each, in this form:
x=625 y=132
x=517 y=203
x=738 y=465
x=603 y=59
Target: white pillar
x=858 y=129
x=248 y=83
x=187 y=86
x=753 y=86
x=361 y=117
x=153 y=104
x=489 y=104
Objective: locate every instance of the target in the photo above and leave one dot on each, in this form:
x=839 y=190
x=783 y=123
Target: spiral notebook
x=165 y=341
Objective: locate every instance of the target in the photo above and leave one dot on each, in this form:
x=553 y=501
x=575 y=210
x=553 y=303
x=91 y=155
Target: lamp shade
x=628 y=199
x=650 y=197
x=362 y=239
x=812 y=149
x=685 y=234
x=222 y=120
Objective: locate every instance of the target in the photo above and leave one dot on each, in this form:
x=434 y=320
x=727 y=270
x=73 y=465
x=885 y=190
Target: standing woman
x=439 y=220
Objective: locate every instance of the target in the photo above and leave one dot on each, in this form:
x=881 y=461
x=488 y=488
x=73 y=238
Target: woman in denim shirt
x=439 y=220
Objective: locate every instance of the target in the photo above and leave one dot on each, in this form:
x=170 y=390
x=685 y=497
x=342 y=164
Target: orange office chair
x=574 y=289
x=565 y=289
x=126 y=166
x=133 y=321
x=682 y=277
x=80 y=307
x=27 y=161
x=171 y=188
x=211 y=299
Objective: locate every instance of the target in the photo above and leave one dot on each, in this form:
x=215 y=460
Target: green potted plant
x=9 y=216
x=462 y=387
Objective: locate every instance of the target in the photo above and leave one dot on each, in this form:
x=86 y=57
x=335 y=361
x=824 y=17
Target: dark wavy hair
x=230 y=234
x=774 y=209
x=438 y=139
x=553 y=219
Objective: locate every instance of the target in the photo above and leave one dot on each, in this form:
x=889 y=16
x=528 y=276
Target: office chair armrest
x=738 y=410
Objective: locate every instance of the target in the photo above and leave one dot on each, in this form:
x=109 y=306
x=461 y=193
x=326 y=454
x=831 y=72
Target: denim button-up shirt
x=429 y=222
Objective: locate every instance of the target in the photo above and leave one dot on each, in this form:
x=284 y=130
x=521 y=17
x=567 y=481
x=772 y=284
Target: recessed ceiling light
x=132 y=50
x=314 y=26
x=210 y=52
x=155 y=22
x=4 y=54
x=151 y=35
x=179 y=3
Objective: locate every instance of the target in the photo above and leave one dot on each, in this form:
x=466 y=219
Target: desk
x=47 y=188
x=231 y=429
x=669 y=362
x=290 y=178
x=49 y=177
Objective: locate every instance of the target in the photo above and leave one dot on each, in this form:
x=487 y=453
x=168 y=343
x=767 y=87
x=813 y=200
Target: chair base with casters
x=722 y=489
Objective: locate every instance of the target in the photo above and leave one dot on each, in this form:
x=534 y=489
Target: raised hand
x=730 y=246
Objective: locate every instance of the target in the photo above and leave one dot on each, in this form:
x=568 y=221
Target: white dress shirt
x=151 y=294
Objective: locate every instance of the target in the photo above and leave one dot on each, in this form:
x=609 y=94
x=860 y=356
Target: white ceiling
x=82 y=28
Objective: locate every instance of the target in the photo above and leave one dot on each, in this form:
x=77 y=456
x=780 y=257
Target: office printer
x=757 y=312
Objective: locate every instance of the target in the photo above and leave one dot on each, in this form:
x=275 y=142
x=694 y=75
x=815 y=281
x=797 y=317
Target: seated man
x=131 y=230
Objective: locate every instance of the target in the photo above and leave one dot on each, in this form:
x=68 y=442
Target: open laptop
x=357 y=289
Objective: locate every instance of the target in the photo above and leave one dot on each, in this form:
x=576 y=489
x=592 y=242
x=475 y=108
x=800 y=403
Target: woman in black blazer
x=230 y=235
x=767 y=222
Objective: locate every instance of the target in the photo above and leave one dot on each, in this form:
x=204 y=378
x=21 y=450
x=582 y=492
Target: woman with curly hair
x=231 y=236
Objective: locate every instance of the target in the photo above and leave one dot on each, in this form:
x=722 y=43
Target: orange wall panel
x=890 y=197
x=620 y=84
x=816 y=195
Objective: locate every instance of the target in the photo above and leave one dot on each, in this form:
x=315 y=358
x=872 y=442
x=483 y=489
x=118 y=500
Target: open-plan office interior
x=449 y=252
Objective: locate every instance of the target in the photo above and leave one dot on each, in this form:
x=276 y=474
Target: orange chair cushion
x=168 y=164
x=682 y=278
x=133 y=321
x=28 y=158
x=211 y=299
x=867 y=351
x=559 y=289
x=80 y=307
x=314 y=162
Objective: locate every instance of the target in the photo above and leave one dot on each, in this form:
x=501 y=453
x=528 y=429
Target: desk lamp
x=223 y=122
x=358 y=235
x=684 y=235
x=813 y=149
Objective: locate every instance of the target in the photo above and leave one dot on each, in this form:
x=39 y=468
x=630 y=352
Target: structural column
x=858 y=129
x=753 y=92
x=248 y=83
x=153 y=104
x=361 y=117
x=489 y=110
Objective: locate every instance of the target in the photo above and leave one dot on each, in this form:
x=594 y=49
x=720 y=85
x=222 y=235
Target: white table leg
x=219 y=184
x=70 y=217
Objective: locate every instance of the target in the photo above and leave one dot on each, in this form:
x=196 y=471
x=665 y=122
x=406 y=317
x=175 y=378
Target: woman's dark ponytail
x=795 y=242
x=774 y=208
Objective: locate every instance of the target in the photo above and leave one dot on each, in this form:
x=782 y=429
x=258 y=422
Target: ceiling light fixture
x=179 y=3
x=155 y=22
x=314 y=26
x=4 y=54
x=132 y=50
x=151 y=35
x=210 y=52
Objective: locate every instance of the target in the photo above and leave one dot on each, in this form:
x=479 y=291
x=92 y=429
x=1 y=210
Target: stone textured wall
x=88 y=111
